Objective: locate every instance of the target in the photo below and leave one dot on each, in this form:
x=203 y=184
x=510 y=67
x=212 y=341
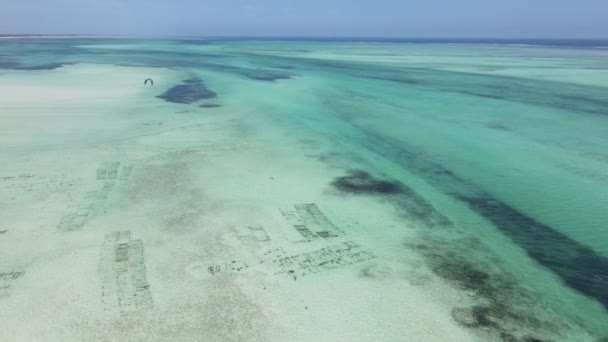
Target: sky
x=318 y=18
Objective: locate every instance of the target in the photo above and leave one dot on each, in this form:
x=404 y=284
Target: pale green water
x=503 y=151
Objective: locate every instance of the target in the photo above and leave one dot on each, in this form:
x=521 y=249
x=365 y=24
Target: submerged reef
x=487 y=96
x=361 y=182
x=573 y=97
x=502 y=307
x=414 y=206
x=18 y=66
x=210 y=105
x=284 y=66
x=267 y=75
x=190 y=91
x=8 y=64
x=579 y=266
x=498 y=126
x=49 y=66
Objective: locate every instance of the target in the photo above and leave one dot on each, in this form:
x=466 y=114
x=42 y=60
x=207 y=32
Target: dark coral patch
x=478 y=316
x=285 y=67
x=498 y=126
x=495 y=291
x=361 y=182
x=580 y=267
x=268 y=75
x=49 y=66
x=468 y=276
x=486 y=95
x=190 y=91
x=489 y=317
x=6 y=64
x=210 y=105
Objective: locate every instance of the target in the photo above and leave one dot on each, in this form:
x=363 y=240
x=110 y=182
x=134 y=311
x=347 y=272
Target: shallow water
x=466 y=180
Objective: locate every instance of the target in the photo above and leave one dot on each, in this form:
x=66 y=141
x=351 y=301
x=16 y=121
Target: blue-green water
x=497 y=153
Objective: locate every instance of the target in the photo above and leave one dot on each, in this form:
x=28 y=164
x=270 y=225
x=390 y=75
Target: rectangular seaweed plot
x=126 y=171
x=24 y=184
x=108 y=170
x=102 y=171
x=78 y=214
x=122 y=270
x=255 y=234
x=7 y=276
x=6 y=280
x=113 y=170
x=294 y=220
x=105 y=191
x=324 y=259
x=316 y=221
x=81 y=210
x=232 y=266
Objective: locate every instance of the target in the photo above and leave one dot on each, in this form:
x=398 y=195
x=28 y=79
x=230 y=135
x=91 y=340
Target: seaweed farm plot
x=80 y=211
x=122 y=270
x=113 y=170
x=301 y=264
x=311 y=223
x=105 y=191
x=125 y=173
x=211 y=147
x=6 y=280
x=198 y=270
x=78 y=214
x=324 y=259
x=24 y=184
x=255 y=234
x=108 y=171
x=232 y=266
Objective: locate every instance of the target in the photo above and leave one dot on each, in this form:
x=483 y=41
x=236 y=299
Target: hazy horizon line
x=33 y=35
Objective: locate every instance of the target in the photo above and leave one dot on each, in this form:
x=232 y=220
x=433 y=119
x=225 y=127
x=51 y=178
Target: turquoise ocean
x=483 y=165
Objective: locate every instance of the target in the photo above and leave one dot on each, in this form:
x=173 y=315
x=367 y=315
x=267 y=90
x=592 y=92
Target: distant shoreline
x=597 y=43
x=38 y=36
